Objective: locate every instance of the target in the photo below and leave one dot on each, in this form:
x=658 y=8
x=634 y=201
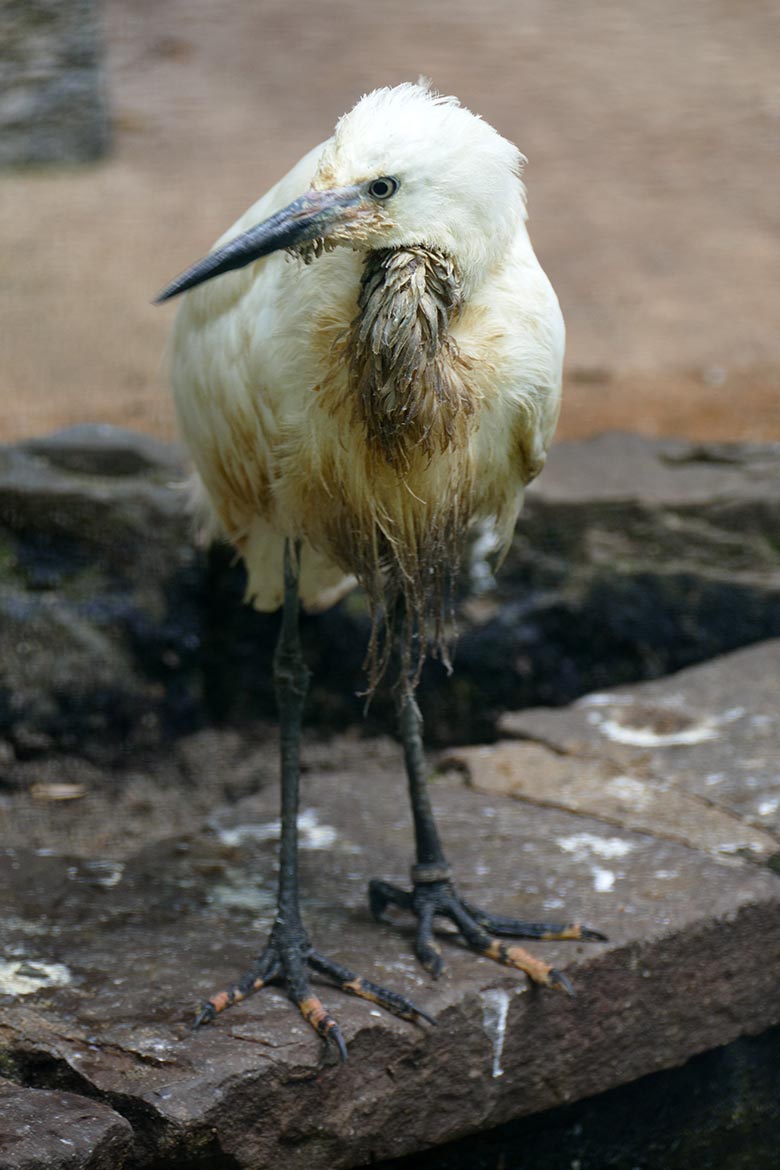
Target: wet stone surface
x=107 y=956
x=710 y=734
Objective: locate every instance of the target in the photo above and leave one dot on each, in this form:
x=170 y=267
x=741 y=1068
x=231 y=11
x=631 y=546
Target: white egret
x=349 y=416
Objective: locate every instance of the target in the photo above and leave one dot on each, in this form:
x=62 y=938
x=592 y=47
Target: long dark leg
x=433 y=892
x=291 y=682
x=289 y=953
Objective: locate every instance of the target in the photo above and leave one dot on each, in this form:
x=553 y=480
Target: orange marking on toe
x=226 y=999
x=514 y=956
x=315 y=1014
x=221 y=1000
x=571 y=932
x=358 y=987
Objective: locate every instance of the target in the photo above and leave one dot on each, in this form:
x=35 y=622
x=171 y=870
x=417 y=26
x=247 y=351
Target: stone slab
x=101 y=596
x=664 y=551
x=630 y=797
x=620 y=466
x=709 y=734
x=45 y=1130
x=719 y=1111
x=107 y=962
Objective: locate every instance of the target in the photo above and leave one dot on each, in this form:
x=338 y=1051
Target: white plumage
x=256 y=374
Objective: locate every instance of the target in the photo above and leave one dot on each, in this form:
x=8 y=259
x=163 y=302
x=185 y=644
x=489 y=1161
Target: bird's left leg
x=433 y=892
x=288 y=956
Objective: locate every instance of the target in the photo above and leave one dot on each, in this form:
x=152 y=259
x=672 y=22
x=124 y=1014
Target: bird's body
x=263 y=380
x=350 y=413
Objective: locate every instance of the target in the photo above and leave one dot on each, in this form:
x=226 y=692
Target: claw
x=317 y=1016
x=206 y=1015
x=556 y=978
x=424 y=1016
x=323 y=1024
x=334 y=1035
x=587 y=934
x=426 y=948
x=430 y=956
x=218 y=1002
x=397 y=1005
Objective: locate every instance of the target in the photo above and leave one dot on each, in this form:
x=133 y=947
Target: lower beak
x=315 y=215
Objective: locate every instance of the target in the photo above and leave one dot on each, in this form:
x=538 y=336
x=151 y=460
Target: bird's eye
x=383 y=188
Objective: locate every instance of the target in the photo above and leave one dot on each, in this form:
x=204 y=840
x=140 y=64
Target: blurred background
x=651 y=130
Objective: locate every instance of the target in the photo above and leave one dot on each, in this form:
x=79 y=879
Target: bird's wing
x=233 y=392
x=520 y=322
x=228 y=374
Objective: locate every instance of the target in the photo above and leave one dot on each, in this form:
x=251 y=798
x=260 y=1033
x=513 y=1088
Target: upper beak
x=315 y=215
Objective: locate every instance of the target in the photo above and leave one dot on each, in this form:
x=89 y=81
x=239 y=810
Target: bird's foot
x=433 y=894
x=286 y=960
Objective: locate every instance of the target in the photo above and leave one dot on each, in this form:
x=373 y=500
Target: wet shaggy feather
x=408 y=393
x=406 y=375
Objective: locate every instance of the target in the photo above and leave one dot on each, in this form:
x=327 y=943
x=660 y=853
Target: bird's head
x=405 y=167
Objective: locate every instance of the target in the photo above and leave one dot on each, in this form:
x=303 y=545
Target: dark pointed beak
x=316 y=215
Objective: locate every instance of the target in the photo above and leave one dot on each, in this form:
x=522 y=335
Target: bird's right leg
x=288 y=953
x=434 y=895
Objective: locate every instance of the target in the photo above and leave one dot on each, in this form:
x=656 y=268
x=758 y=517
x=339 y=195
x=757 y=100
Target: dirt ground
x=651 y=131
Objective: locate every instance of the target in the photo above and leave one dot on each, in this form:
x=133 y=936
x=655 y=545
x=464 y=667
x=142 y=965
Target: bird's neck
x=406 y=374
